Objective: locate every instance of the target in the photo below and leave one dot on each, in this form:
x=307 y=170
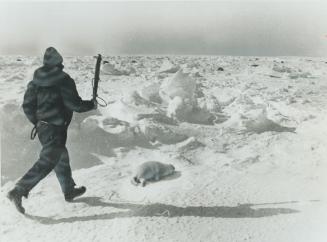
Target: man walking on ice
x=49 y=102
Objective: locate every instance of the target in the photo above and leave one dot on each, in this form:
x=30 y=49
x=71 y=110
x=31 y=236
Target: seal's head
x=52 y=58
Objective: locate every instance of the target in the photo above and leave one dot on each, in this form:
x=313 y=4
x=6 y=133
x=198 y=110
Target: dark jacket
x=52 y=97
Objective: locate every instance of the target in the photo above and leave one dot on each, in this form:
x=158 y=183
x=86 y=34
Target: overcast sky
x=208 y=28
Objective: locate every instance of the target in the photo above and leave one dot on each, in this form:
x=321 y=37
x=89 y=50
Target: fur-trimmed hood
x=51 y=73
x=52 y=57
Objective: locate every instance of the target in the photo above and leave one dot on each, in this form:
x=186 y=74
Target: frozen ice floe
x=181 y=85
x=168 y=67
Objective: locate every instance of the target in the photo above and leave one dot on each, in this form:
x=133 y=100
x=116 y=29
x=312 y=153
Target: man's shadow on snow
x=164 y=210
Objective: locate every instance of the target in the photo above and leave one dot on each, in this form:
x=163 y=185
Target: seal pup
x=151 y=170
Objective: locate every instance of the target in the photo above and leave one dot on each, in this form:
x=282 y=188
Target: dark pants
x=53 y=156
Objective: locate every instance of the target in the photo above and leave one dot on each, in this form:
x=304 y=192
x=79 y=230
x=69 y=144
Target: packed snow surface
x=247 y=136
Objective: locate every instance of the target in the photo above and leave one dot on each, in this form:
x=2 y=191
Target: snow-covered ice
x=247 y=136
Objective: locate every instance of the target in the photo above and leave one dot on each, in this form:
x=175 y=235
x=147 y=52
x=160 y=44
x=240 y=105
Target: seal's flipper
x=143 y=182
x=135 y=181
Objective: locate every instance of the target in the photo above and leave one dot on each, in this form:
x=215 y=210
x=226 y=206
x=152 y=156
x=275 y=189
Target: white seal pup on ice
x=151 y=170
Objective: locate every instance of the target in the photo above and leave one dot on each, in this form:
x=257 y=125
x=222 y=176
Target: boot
x=15 y=197
x=76 y=192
